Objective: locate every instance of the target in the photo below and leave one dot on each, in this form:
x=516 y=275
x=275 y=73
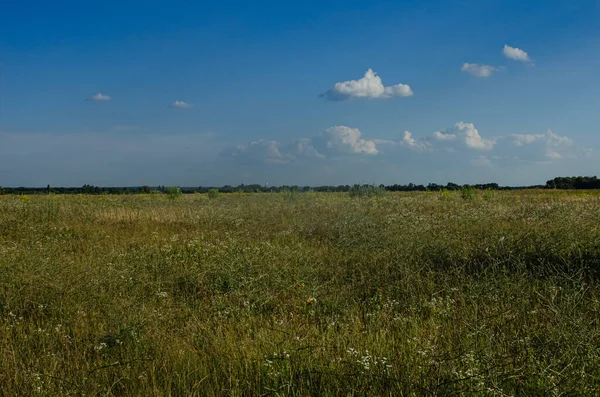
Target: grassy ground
x=300 y=294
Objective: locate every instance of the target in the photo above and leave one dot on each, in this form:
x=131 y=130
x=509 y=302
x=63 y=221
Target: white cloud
x=479 y=70
x=556 y=140
x=553 y=155
x=471 y=137
x=99 y=98
x=303 y=147
x=481 y=161
x=516 y=54
x=331 y=142
x=260 y=151
x=587 y=152
x=526 y=139
x=549 y=138
x=344 y=139
x=412 y=143
x=180 y=105
x=384 y=142
x=440 y=136
x=452 y=144
x=370 y=86
x=553 y=145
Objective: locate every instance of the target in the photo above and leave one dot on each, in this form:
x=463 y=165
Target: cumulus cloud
x=481 y=161
x=303 y=148
x=370 y=86
x=342 y=139
x=99 y=98
x=440 y=136
x=472 y=138
x=180 y=105
x=553 y=145
x=465 y=134
x=412 y=143
x=553 y=155
x=334 y=141
x=479 y=70
x=516 y=54
x=456 y=142
x=259 y=151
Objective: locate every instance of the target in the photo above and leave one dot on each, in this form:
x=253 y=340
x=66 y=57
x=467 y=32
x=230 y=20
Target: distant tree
x=579 y=182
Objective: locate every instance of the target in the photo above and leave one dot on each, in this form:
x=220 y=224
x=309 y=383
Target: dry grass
x=304 y=294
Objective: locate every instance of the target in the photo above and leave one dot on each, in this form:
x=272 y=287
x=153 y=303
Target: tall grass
x=402 y=294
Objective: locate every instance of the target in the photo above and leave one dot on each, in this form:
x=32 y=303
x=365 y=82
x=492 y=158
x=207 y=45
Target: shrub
x=468 y=192
x=173 y=192
x=213 y=193
x=290 y=195
x=488 y=194
x=445 y=194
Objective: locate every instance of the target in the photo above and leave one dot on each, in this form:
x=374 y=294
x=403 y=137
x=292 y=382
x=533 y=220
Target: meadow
x=272 y=294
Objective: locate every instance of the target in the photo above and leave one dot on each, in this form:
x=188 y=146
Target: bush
x=468 y=192
x=173 y=192
x=213 y=193
x=290 y=195
x=488 y=194
x=445 y=194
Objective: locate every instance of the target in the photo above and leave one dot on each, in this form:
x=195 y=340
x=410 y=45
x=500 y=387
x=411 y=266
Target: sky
x=129 y=93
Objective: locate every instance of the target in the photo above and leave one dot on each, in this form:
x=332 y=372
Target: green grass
x=310 y=294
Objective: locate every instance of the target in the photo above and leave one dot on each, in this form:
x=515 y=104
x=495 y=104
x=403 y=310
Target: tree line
x=574 y=182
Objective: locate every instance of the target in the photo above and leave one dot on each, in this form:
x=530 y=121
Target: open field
x=300 y=294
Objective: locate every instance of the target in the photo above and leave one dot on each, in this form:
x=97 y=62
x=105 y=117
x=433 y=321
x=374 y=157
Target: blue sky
x=194 y=93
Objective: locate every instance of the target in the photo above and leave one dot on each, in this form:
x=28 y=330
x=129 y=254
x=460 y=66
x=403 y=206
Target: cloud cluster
x=552 y=145
x=370 y=86
x=335 y=141
x=458 y=140
x=481 y=70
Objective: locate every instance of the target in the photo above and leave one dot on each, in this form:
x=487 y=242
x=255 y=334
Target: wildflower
x=101 y=346
x=162 y=294
x=310 y=301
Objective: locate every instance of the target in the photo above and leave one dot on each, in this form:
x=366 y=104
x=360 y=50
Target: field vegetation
x=368 y=293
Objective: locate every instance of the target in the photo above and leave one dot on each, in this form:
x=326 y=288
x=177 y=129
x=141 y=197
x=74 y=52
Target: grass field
x=300 y=294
